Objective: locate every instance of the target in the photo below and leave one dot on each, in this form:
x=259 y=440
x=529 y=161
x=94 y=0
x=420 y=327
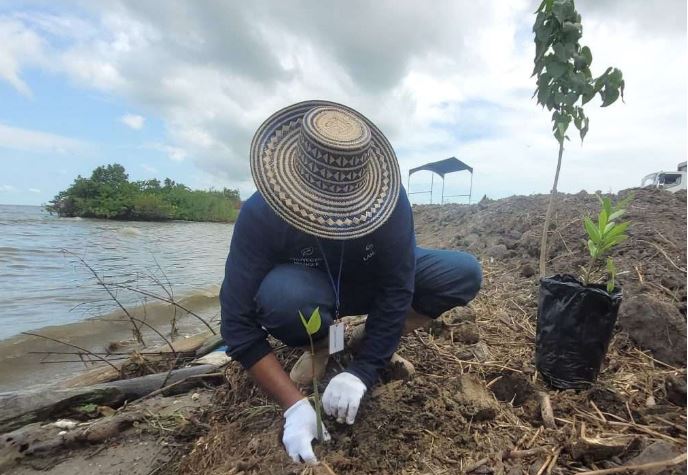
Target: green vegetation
x=603 y=235
x=312 y=325
x=109 y=194
x=565 y=82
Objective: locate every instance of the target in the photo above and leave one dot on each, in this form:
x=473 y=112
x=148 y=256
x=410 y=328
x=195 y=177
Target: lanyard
x=335 y=287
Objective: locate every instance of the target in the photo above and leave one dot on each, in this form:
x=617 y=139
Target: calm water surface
x=40 y=285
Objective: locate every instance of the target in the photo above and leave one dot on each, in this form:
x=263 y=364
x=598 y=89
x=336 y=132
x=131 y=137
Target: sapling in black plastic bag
x=576 y=318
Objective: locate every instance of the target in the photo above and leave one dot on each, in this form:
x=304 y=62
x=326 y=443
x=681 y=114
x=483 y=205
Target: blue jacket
x=262 y=240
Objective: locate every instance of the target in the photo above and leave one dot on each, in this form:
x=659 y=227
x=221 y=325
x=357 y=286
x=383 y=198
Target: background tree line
x=109 y=194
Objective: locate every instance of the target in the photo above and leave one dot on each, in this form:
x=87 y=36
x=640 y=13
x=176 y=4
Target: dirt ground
x=475 y=403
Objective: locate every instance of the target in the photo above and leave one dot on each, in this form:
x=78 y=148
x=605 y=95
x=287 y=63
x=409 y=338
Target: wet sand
x=22 y=367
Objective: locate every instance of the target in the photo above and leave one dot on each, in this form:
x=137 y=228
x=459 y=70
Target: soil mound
x=476 y=404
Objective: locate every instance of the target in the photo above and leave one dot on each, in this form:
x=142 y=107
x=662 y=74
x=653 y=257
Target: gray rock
x=676 y=390
x=658 y=452
x=657 y=326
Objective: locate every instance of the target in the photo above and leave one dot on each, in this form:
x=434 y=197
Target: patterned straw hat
x=326 y=170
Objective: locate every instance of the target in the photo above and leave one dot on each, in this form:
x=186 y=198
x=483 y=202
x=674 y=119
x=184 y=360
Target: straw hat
x=326 y=170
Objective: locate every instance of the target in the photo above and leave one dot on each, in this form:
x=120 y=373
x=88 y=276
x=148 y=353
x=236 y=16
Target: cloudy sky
x=173 y=88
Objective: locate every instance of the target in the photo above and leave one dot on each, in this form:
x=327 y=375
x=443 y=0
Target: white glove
x=343 y=396
x=300 y=428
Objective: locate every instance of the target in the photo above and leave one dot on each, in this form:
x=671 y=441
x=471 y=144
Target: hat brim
x=274 y=155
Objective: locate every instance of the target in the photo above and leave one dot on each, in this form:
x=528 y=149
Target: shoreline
x=23 y=357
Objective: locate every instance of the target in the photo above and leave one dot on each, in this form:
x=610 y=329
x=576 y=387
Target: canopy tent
x=442 y=167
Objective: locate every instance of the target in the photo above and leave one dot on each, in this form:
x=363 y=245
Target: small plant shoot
x=565 y=82
x=312 y=326
x=603 y=235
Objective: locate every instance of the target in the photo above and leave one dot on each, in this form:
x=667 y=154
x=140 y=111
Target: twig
x=679 y=459
x=101 y=282
x=553 y=462
x=546 y=411
x=327 y=468
x=476 y=465
x=166 y=300
x=74 y=346
x=142 y=322
x=664 y=254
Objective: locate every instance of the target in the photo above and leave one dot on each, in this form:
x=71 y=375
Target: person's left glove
x=343 y=396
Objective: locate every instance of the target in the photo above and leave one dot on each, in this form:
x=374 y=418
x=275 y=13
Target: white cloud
x=7 y=188
x=176 y=154
x=34 y=190
x=133 y=121
x=21 y=47
x=451 y=80
x=36 y=141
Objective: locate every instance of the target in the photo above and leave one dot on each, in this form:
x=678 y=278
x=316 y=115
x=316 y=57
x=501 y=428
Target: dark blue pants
x=444 y=280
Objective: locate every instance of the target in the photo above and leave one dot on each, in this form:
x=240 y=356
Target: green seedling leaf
x=611 y=270
x=312 y=325
x=618 y=229
x=592 y=248
x=617 y=214
x=592 y=230
x=303 y=321
x=314 y=322
x=602 y=220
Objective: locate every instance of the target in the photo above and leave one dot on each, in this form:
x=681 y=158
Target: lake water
x=41 y=285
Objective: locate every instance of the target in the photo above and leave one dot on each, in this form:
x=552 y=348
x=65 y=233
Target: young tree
x=565 y=83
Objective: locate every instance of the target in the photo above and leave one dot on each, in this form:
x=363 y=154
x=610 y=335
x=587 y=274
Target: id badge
x=336 y=337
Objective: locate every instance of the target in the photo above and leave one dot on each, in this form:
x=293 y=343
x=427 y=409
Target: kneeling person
x=331 y=228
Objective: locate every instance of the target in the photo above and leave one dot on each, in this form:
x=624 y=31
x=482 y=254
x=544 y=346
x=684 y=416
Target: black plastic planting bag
x=574 y=327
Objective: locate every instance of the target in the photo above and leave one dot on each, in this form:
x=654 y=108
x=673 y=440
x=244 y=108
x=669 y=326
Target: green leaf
x=587 y=54
x=607 y=205
x=586 y=127
x=556 y=69
x=563 y=10
x=312 y=325
x=617 y=214
x=618 y=230
x=592 y=248
x=609 y=96
x=602 y=220
x=303 y=321
x=610 y=225
x=591 y=229
x=314 y=322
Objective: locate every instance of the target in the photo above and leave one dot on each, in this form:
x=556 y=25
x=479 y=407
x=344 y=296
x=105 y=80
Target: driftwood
x=191 y=347
x=24 y=407
x=37 y=440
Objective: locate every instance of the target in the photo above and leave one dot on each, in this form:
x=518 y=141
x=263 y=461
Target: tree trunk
x=548 y=216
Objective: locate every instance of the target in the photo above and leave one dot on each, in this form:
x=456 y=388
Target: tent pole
x=432 y=181
x=442 y=202
x=470 y=190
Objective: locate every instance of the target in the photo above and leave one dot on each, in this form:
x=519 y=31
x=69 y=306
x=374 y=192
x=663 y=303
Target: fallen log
x=190 y=347
x=24 y=407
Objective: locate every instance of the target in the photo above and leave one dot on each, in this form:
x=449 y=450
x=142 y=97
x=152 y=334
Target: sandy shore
x=25 y=364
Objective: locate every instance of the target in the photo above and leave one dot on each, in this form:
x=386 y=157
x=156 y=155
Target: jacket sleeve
x=396 y=273
x=250 y=259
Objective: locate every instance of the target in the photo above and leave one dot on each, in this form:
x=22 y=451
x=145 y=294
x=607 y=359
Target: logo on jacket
x=306 y=252
x=370 y=252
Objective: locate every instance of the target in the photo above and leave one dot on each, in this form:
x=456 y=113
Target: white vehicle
x=670 y=181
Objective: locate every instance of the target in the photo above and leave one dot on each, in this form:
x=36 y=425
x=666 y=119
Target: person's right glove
x=343 y=396
x=300 y=428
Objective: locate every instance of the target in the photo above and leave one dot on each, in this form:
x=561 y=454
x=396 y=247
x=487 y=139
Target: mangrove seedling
x=565 y=83
x=312 y=325
x=603 y=235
